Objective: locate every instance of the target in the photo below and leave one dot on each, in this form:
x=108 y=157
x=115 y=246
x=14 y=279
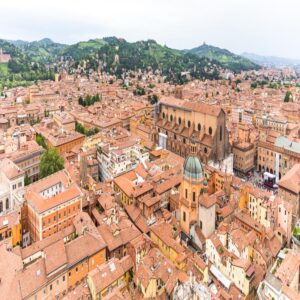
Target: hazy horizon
x=266 y=28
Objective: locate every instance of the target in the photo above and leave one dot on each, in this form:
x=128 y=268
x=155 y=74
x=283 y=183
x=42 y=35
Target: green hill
x=36 y=60
x=116 y=55
x=227 y=59
x=24 y=68
x=44 y=51
x=82 y=49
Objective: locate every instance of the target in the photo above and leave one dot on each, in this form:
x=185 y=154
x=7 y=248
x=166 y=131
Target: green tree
x=80 y=128
x=51 y=162
x=288 y=96
x=153 y=99
x=41 y=141
x=27 y=180
x=254 y=85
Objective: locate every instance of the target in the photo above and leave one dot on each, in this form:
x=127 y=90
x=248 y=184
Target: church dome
x=192 y=168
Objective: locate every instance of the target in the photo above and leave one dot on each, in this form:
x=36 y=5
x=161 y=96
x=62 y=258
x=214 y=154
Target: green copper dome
x=192 y=168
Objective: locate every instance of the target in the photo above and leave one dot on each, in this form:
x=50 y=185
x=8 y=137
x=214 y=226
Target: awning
x=222 y=278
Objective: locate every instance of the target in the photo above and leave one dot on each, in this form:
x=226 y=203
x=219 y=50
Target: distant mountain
x=26 y=65
x=82 y=49
x=36 y=60
x=42 y=51
x=226 y=58
x=115 y=55
x=271 y=61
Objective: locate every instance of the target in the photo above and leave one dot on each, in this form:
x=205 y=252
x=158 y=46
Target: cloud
x=267 y=27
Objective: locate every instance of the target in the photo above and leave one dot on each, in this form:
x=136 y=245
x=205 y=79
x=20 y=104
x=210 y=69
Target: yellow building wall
x=169 y=252
x=16 y=234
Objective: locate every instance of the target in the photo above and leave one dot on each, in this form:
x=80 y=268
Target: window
x=186 y=193
x=221 y=129
x=64 y=278
x=179 y=121
x=50 y=287
x=201 y=225
x=194 y=196
x=171 y=118
x=7 y=203
x=69 y=274
x=184 y=216
x=164 y=115
x=210 y=131
x=199 y=127
x=189 y=124
x=205 y=150
x=1 y=206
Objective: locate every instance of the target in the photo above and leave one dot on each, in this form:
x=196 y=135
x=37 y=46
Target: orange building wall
x=80 y=271
x=63 y=218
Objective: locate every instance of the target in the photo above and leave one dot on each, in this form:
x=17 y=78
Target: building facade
x=178 y=121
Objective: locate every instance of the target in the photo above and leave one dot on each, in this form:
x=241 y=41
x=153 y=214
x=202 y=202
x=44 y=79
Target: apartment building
x=52 y=204
x=119 y=157
x=11 y=185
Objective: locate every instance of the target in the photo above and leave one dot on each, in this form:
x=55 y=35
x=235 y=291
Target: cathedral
x=177 y=121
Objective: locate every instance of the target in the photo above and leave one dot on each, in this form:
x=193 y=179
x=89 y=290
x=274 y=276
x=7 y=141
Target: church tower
x=207 y=212
x=190 y=190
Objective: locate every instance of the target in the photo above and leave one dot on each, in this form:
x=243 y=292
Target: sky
x=266 y=27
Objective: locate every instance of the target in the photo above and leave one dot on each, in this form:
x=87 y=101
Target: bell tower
x=191 y=186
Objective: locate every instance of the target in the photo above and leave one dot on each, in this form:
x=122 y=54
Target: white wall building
x=119 y=158
x=11 y=185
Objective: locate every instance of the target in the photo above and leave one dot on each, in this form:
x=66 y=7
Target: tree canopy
x=51 y=162
x=288 y=96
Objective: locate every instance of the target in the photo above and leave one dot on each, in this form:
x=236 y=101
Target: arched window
x=189 y=124
x=184 y=140
x=7 y=204
x=186 y=193
x=221 y=133
x=164 y=115
x=1 y=206
x=199 y=127
x=205 y=150
x=171 y=118
x=175 y=136
x=210 y=130
x=184 y=216
x=179 y=121
x=194 y=196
